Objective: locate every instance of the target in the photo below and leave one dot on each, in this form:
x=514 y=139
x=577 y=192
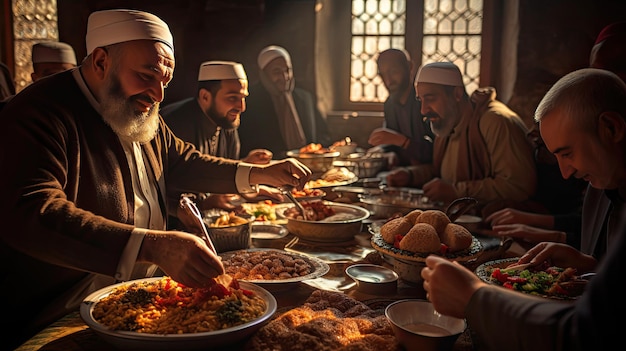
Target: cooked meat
x=396 y=226
x=436 y=218
x=412 y=216
x=456 y=237
x=421 y=238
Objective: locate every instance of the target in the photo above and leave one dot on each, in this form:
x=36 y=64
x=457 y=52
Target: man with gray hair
x=582 y=120
x=480 y=148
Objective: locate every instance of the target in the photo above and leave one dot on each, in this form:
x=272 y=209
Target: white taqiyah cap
x=220 y=70
x=117 y=26
x=272 y=52
x=445 y=73
x=53 y=52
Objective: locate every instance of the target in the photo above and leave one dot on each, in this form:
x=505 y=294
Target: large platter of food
x=543 y=280
x=272 y=266
x=420 y=233
x=327 y=321
x=161 y=314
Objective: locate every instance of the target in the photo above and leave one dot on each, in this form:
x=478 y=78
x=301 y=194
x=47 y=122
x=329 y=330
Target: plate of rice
x=161 y=314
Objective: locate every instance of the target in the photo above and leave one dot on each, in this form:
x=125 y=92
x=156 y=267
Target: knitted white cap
x=445 y=73
x=220 y=70
x=53 y=52
x=117 y=26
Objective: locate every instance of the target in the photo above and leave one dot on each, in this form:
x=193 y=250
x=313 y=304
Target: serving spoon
x=460 y=206
x=286 y=190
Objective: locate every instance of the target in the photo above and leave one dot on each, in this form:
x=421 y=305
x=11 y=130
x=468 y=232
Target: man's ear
x=100 y=61
x=612 y=125
x=205 y=98
x=458 y=93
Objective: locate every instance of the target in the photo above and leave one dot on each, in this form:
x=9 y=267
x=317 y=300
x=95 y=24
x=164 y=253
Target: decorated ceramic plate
x=469 y=254
x=272 y=266
x=548 y=282
x=129 y=340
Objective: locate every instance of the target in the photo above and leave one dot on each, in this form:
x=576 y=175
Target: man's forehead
x=427 y=88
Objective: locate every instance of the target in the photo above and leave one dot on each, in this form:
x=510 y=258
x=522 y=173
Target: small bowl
x=418 y=327
x=345 y=149
x=409 y=271
x=231 y=237
x=471 y=223
x=373 y=279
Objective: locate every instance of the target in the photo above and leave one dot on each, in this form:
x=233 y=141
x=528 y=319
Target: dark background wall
x=555 y=37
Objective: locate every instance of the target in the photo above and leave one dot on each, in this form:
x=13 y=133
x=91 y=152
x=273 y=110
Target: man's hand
x=259 y=156
x=449 y=286
x=560 y=255
x=183 y=256
x=386 y=136
x=528 y=233
x=439 y=190
x=222 y=201
x=398 y=177
x=288 y=171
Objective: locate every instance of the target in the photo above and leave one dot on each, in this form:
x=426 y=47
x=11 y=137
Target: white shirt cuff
x=242 y=179
x=129 y=255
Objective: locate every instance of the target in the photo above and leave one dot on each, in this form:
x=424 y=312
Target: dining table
x=71 y=333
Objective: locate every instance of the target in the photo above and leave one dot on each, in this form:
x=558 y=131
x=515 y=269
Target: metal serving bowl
x=364 y=165
x=317 y=163
x=389 y=204
x=231 y=237
x=340 y=230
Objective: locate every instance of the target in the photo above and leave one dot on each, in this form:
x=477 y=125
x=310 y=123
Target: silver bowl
x=317 y=163
x=387 y=204
x=362 y=164
x=228 y=238
x=343 y=229
x=373 y=279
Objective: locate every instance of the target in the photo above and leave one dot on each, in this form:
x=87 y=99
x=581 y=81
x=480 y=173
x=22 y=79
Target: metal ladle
x=460 y=206
x=286 y=190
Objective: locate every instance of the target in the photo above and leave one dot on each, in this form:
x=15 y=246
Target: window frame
x=413 y=44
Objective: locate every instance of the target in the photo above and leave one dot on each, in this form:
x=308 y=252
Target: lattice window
x=377 y=25
x=34 y=21
x=452 y=31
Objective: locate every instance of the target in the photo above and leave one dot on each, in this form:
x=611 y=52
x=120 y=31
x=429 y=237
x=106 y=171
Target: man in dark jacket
x=279 y=116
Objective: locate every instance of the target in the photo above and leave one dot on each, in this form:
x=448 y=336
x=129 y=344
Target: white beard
x=118 y=112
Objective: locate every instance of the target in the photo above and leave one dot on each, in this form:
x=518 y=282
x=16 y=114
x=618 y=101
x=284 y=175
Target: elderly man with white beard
x=88 y=165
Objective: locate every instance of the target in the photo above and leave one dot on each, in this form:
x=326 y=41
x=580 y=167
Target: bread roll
x=422 y=238
x=456 y=237
x=396 y=226
x=436 y=218
x=412 y=216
